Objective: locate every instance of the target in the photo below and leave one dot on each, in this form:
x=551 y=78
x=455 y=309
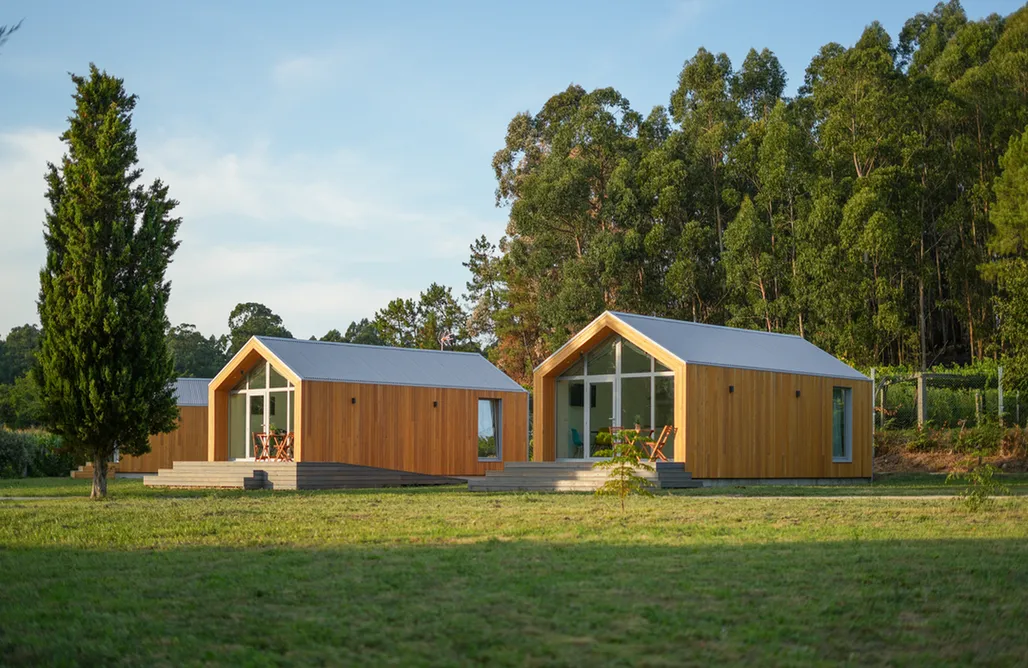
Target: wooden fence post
x=922 y=410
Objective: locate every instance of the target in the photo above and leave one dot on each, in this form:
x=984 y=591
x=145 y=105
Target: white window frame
x=497 y=426
x=615 y=377
x=266 y=393
x=847 y=425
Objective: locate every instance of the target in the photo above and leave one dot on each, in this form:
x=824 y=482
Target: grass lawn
x=444 y=577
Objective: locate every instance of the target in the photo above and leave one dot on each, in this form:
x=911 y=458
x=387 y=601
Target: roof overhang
x=244 y=360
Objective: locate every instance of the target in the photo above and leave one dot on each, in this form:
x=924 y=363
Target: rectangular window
x=489 y=429
x=842 y=424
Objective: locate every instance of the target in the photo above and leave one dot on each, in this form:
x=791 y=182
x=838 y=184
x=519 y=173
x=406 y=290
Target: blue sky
x=332 y=156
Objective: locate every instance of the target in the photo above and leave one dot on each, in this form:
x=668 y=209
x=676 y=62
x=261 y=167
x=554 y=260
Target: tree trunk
x=99 y=476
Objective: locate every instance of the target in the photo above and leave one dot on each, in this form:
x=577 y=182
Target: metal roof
x=191 y=391
x=383 y=365
x=740 y=348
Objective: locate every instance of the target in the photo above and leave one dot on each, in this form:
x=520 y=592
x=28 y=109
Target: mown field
x=445 y=577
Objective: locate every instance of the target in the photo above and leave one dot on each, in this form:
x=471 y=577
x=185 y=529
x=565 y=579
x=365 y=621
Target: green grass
x=445 y=577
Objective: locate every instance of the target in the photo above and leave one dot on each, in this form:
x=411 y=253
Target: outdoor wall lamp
x=731 y=388
x=353 y=400
x=797 y=394
x=435 y=404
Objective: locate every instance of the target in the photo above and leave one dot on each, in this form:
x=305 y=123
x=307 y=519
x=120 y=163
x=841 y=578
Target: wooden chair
x=261 y=445
x=656 y=447
x=284 y=447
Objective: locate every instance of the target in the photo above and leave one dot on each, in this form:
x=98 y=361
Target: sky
x=329 y=157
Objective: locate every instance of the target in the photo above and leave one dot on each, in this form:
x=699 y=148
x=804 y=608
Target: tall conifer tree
x=106 y=369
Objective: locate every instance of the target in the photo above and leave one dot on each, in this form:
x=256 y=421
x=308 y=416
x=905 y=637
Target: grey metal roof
x=383 y=365
x=191 y=391
x=741 y=348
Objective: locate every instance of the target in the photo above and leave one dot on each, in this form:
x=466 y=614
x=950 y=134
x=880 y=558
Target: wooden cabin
x=188 y=443
x=433 y=412
x=747 y=404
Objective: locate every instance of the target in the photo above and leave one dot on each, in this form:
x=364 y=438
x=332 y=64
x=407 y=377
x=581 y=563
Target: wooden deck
x=572 y=477
x=288 y=475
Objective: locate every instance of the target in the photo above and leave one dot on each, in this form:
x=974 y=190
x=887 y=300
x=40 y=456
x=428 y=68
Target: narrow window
x=489 y=429
x=842 y=424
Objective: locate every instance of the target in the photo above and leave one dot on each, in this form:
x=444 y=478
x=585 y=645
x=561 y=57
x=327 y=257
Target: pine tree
x=106 y=369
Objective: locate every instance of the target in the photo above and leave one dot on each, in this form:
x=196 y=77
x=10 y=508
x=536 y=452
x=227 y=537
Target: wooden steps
x=572 y=477
x=287 y=475
x=85 y=472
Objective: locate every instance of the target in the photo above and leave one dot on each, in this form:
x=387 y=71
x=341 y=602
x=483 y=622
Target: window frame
x=847 y=425
x=497 y=427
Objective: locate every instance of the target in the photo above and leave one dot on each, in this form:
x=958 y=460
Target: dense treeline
x=858 y=214
x=881 y=213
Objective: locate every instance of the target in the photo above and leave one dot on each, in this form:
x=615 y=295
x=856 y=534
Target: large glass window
x=842 y=424
x=636 y=402
x=570 y=419
x=615 y=385
x=262 y=403
x=601 y=359
x=489 y=429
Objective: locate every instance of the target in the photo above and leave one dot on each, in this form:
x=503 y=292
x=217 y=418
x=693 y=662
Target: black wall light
x=731 y=388
x=353 y=400
x=797 y=393
x=435 y=404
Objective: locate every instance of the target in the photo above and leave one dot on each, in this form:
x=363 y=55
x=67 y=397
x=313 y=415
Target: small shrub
x=983 y=439
x=1015 y=442
x=981 y=484
x=924 y=439
x=625 y=460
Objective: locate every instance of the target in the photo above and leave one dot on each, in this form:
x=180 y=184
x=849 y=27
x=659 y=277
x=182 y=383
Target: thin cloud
x=321 y=239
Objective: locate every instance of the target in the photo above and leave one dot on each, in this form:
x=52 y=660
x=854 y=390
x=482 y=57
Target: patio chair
x=261 y=445
x=656 y=447
x=284 y=447
x=576 y=440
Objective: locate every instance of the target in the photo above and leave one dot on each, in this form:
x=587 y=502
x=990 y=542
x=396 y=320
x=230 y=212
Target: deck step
x=573 y=476
x=288 y=475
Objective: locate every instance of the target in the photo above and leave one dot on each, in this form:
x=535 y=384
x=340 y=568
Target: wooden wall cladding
x=763 y=430
x=419 y=429
x=188 y=443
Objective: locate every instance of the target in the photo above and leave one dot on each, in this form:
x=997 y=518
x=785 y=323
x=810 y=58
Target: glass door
x=257 y=424
x=601 y=415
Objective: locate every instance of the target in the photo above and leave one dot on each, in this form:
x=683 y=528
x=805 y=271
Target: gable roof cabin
x=745 y=403
x=715 y=345
x=434 y=412
x=191 y=391
x=383 y=365
x=187 y=442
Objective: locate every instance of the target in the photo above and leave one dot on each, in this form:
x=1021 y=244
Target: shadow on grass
x=512 y=603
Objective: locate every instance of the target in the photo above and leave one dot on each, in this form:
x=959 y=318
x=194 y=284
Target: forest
x=881 y=213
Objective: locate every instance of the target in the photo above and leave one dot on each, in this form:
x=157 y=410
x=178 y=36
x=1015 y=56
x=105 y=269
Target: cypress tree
x=105 y=367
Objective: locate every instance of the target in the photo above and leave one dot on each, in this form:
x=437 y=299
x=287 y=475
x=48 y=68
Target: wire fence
x=944 y=400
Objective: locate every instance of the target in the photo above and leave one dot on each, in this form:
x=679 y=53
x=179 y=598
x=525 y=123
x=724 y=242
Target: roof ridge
x=706 y=324
x=261 y=337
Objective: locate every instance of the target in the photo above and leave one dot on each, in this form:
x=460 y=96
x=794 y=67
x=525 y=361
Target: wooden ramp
x=572 y=477
x=288 y=475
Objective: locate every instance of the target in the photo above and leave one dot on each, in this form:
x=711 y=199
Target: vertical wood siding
x=397 y=427
x=188 y=443
x=763 y=430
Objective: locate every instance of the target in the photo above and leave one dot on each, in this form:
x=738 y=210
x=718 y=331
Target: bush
x=984 y=439
x=924 y=439
x=33 y=454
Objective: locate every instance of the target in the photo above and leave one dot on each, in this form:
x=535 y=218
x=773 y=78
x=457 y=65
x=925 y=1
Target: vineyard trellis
x=904 y=400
